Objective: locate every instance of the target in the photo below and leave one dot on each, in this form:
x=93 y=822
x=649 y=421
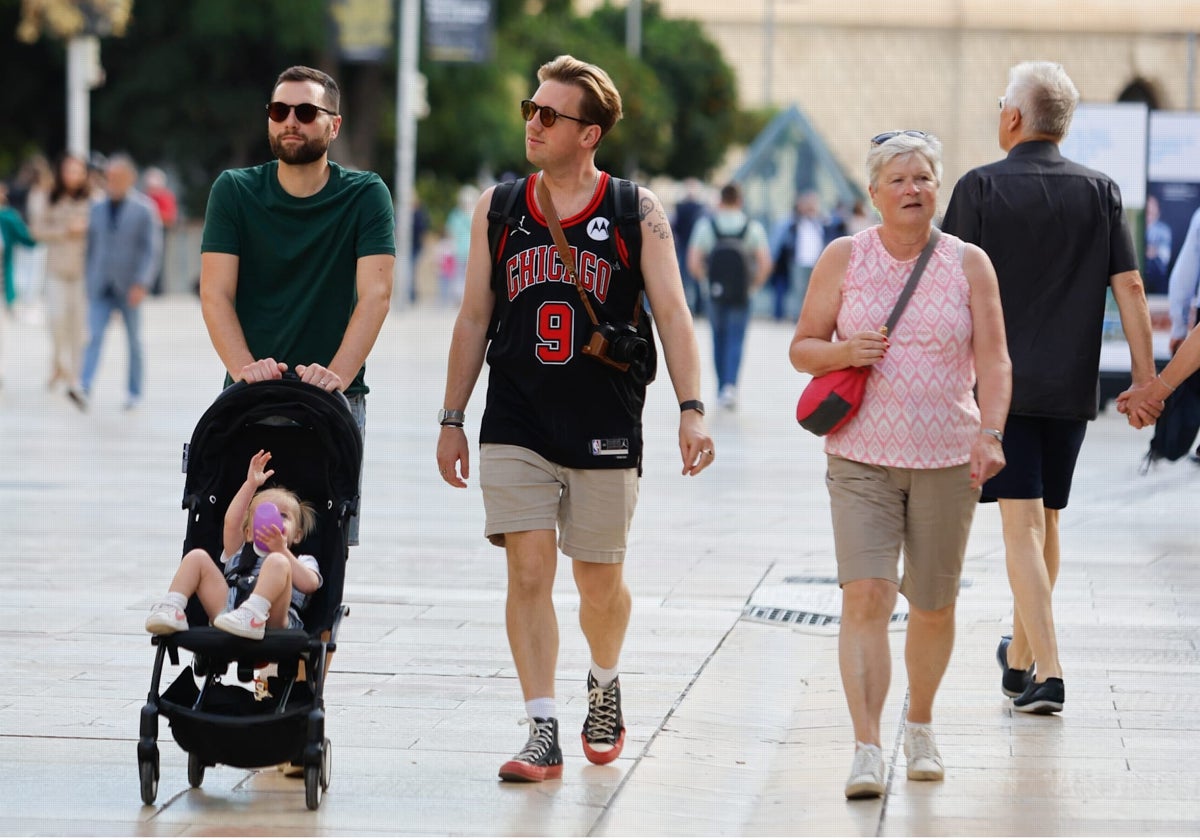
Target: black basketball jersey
x=543 y=393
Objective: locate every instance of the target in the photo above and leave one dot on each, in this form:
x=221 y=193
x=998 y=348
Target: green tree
x=700 y=89
x=186 y=85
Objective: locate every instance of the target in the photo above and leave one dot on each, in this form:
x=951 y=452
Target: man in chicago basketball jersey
x=570 y=353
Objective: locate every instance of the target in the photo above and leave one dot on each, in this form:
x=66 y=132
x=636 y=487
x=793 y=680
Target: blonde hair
x=1044 y=94
x=303 y=514
x=601 y=104
x=928 y=147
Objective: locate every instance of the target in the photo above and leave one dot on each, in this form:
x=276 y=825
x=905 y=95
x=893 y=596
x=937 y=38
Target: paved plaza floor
x=736 y=722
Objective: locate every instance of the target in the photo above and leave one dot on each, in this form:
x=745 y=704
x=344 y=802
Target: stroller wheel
x=148 y=775
x=312 y=787
x=195 y=770
x=326 y=765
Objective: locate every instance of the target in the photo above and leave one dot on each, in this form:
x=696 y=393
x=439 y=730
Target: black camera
x=618 y=345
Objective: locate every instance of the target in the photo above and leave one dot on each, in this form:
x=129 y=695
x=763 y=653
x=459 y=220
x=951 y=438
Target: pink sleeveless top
x=918 y=411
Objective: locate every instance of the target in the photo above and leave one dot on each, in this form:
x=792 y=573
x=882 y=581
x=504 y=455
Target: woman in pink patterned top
x=906 y=472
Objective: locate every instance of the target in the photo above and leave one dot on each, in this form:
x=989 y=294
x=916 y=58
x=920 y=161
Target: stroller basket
x=233 y=728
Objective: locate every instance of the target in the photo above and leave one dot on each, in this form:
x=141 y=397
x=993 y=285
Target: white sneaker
x=241 y=622
x=867 y=773
x=924 y=760
x=165 y=619
x=728 y=397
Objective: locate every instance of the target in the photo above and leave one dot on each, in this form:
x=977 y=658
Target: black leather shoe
x=1042 y=698
x=1013 y=681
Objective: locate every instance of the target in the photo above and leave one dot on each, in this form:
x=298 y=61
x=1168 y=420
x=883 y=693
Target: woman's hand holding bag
x=831 y=400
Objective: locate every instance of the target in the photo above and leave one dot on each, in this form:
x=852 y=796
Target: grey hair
x=1044 y=94
x=928 y=147
x=121 y=159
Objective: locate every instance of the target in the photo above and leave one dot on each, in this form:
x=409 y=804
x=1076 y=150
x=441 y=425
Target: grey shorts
x=879 y=510
x=592 y=509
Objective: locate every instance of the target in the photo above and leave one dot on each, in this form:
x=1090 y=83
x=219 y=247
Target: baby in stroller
x=309 y=438
x=258 y=588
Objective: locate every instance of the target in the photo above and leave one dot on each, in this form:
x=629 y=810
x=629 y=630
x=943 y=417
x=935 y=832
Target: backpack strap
x=629 y=223
x=500 y=214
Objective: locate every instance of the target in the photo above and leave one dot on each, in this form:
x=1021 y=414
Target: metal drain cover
x=812 y=604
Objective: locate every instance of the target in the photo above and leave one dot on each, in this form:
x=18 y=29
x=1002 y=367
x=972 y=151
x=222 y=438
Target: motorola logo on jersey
x=598 y=229
x=541 y=264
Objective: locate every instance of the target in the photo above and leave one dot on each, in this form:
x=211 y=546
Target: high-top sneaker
x=541 y=759
x=604 y=729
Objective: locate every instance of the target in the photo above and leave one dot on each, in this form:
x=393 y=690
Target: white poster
x=1173 y=199
x=1112 y=139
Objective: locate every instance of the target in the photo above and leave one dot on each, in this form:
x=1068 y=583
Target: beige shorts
x=591 y=509
x=878 y=510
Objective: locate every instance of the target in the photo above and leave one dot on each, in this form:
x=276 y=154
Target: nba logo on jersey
x=610 y=446
x=598 y=229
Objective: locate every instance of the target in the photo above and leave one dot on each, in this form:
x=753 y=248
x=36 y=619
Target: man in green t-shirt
x=298 y=254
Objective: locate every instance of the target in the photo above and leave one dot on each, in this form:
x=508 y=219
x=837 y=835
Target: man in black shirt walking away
x=1057 y=235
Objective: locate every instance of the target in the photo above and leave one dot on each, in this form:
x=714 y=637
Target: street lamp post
x=407 y=87
x=83 y=74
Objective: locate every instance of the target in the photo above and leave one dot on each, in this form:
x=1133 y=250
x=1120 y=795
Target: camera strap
x=564 y=249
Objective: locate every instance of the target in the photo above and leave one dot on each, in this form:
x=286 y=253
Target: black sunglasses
x=880 y=139
x=548 y=115
x=306 y=112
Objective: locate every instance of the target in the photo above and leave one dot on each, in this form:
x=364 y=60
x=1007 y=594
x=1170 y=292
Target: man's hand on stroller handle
x=321 y=376
x=262 y=370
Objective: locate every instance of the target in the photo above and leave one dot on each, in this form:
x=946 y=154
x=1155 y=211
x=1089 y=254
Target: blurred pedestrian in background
x=729 y=250
x=689 y=210
x=62 y=224
x=124 y=244
x=13 y=233
x=154 y=182
x=800 y=243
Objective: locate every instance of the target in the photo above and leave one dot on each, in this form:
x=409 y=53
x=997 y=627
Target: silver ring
x=706 y=452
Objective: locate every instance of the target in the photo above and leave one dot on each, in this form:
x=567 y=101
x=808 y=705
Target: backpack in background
x=1176 y=429
x=729 y=268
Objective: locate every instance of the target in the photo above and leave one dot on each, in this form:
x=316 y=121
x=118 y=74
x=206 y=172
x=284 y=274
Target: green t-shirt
x=298 y=257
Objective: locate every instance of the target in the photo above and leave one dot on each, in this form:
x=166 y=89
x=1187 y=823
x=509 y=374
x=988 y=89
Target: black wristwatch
x=451 y=417
x=692 y=405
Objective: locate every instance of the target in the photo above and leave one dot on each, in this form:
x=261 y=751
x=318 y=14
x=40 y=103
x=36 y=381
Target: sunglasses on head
x=547 y=114
x=306 y=112
x=880 y=139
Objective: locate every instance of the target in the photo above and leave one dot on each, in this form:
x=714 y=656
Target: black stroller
x=317 y=453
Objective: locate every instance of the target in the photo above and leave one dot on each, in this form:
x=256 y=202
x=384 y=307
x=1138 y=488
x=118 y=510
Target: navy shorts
x=1040 y=453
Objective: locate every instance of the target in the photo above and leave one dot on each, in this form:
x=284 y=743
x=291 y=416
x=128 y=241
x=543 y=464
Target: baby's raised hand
x=258 y=472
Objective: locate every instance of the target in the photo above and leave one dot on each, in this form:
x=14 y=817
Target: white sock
x=604 y=676
x=175 y=599
x=258 y=605
x=541 y=707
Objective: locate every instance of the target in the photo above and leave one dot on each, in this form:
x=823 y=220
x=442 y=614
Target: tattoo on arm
x=652 y=210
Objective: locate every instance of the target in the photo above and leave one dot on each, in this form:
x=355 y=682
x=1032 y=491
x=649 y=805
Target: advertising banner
x=1173 y=201
x=459 y=30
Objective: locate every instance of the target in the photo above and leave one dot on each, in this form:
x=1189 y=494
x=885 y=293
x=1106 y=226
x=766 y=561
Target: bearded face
x=293 y=147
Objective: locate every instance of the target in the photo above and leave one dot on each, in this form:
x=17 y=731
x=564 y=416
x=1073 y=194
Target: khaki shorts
x=877 y=510
x=591 y=509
